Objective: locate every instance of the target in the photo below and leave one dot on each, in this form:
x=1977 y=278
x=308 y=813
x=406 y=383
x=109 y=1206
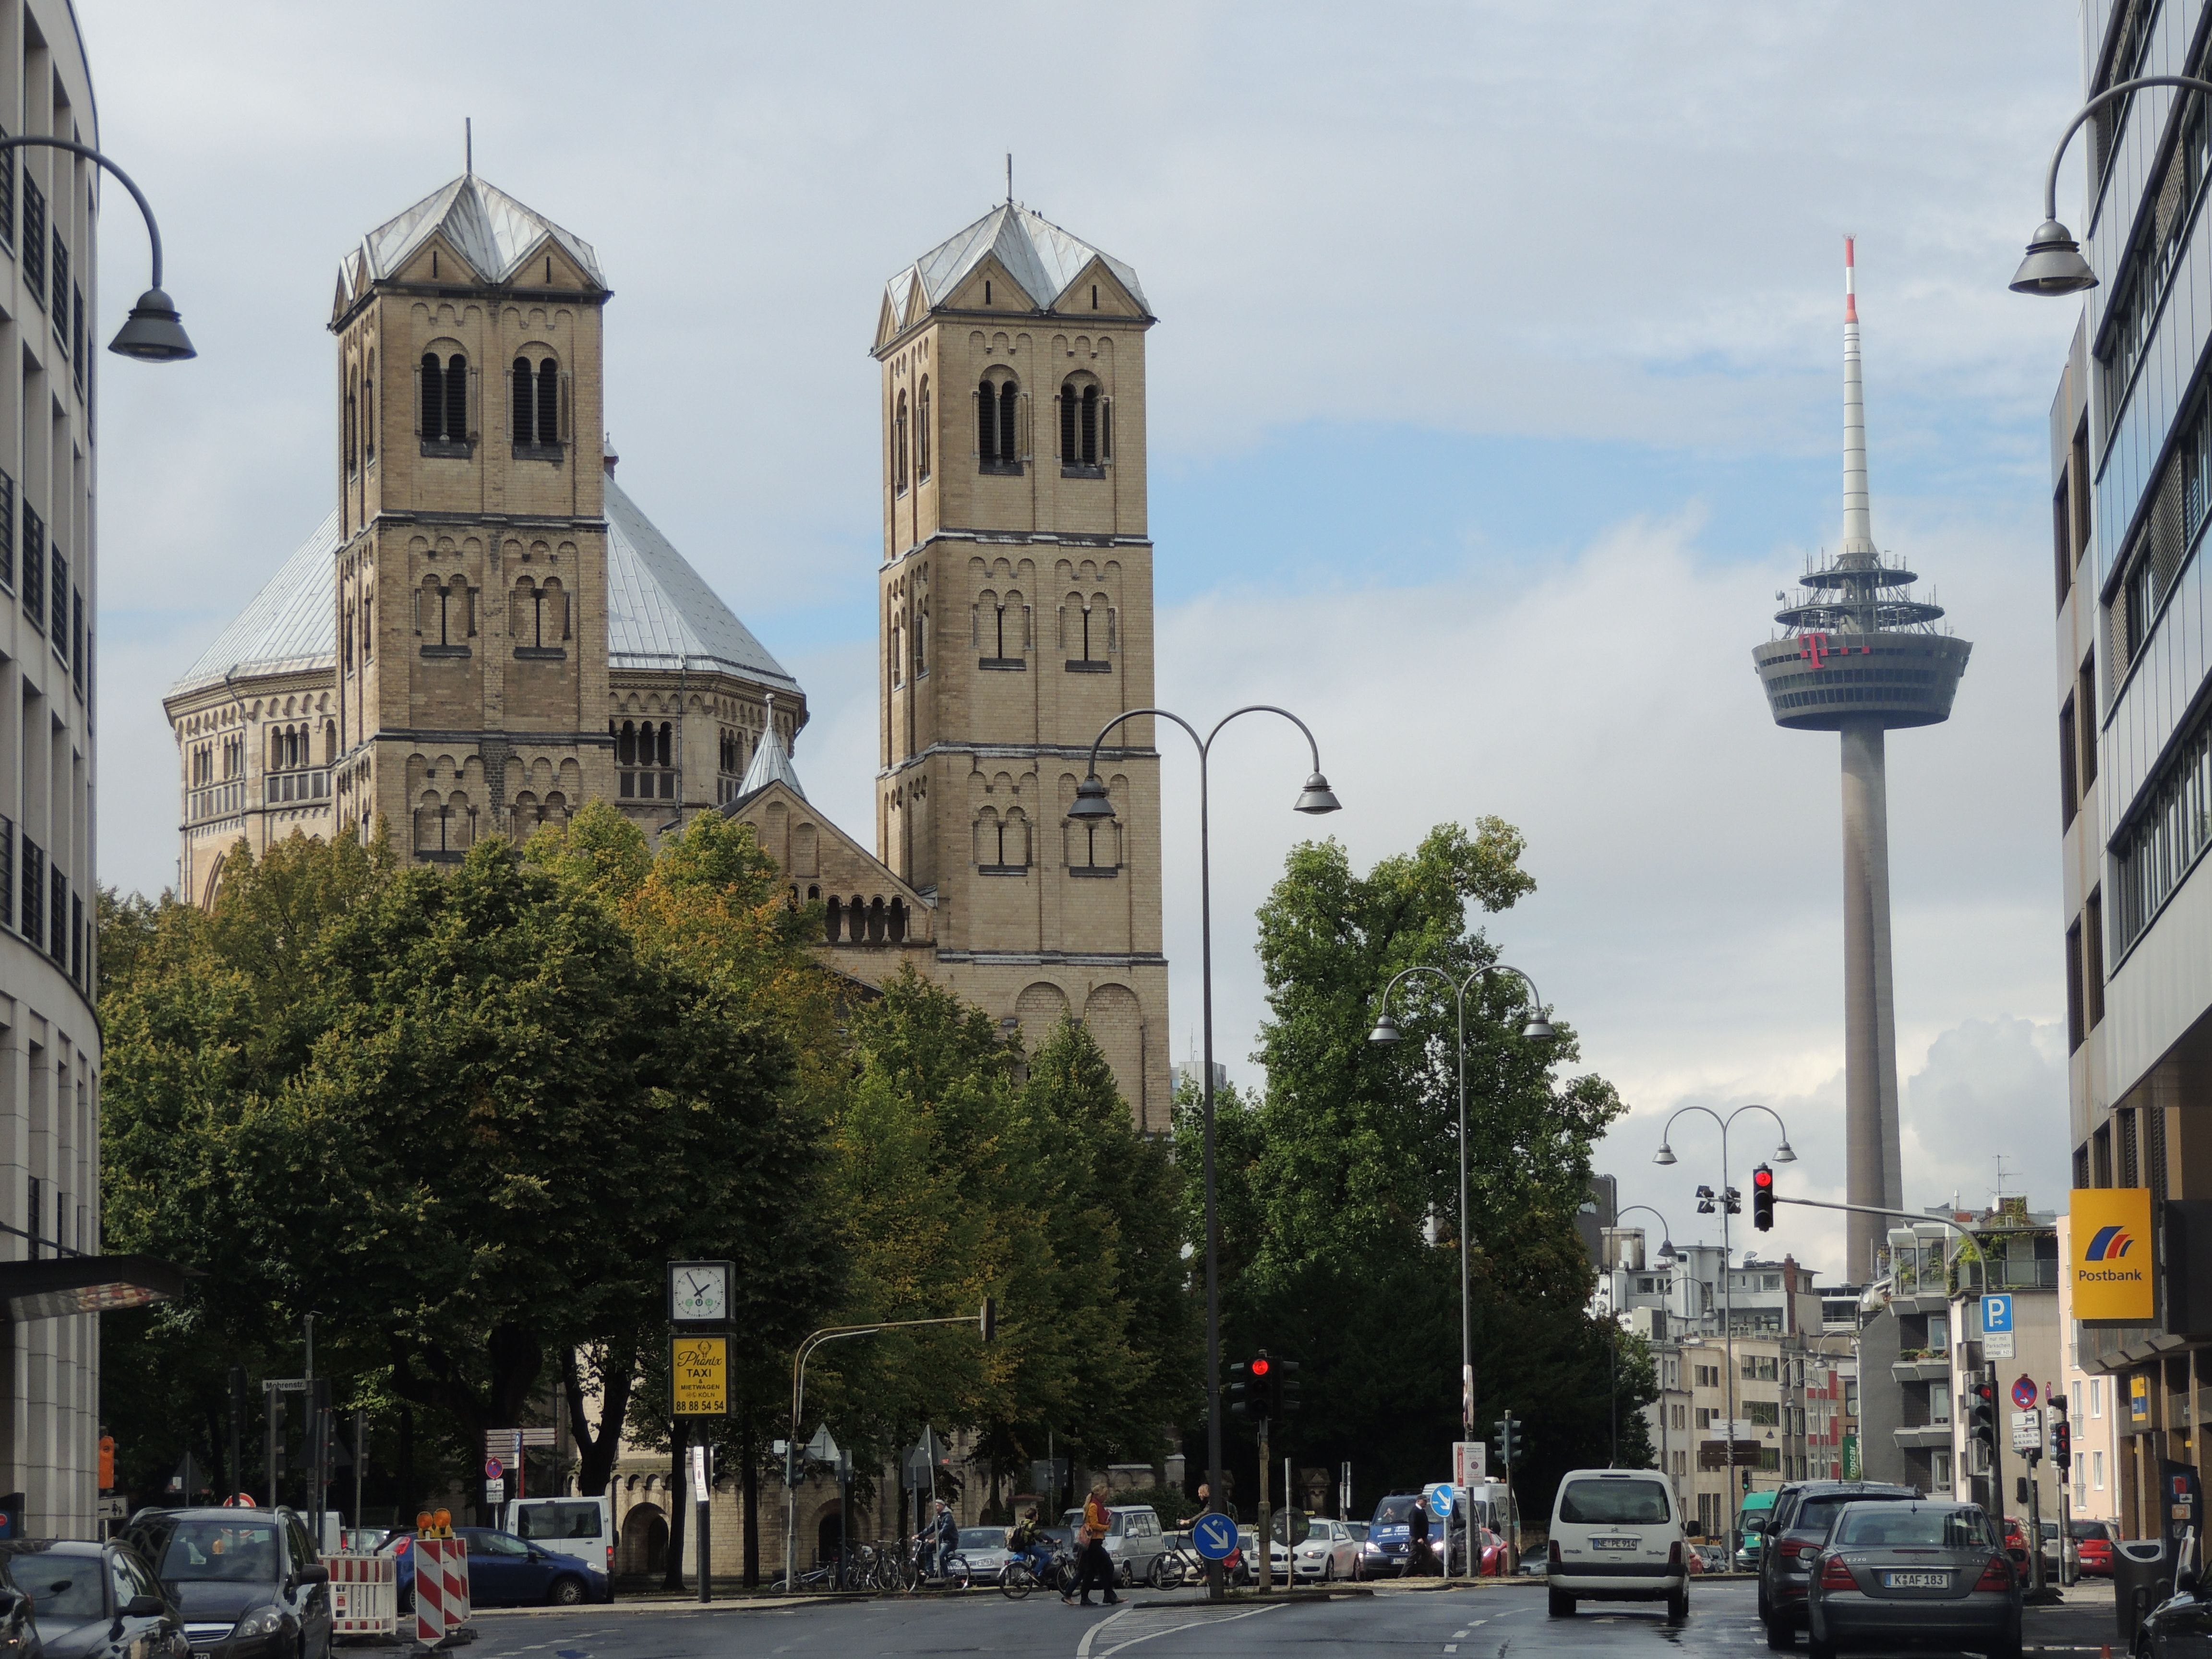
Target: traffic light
x=1982 y=1412
x=1734 y=1199
x=2061 y=1435
x=1509 y=1441
x=1239 y=1389
x=1283 y=1394
x=1762 y=1199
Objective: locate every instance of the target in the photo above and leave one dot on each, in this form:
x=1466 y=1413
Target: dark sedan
x=1931 y=1571
x=247 y=1581
x=1799 y=1526
x=89 y=1601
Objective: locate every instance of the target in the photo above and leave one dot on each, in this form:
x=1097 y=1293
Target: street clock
x=699 y=1293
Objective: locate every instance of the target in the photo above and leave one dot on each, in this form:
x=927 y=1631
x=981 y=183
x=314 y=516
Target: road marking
x=1084 y=1650
x=1451 y=1647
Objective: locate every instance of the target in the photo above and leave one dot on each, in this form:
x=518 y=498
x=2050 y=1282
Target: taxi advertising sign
x=699 y=1375
x=2109 y=1255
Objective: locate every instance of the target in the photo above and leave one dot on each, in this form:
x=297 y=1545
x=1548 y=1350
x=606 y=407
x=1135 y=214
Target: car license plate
x=1614 y=1543
x=1916 y=1581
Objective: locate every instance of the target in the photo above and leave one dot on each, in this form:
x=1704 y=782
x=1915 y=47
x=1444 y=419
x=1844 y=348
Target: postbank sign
x=699 y=1375
x=2109 y=1254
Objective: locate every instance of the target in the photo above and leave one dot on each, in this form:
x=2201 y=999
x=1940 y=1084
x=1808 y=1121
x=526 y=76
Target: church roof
x=660 y=613
x=484 y=224
x=771 y=763
x=291 y=625
x=1036 y=253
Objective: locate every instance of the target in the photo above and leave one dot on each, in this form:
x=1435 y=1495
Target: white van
x=1616 y=1536
x=581 y=1526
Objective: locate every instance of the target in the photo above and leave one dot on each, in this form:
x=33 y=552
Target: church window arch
x=920 y=643
x=444 y=405
x=1080 y=422
x=833 y=920
x=998 y=423
x=351 y=438
x=922 y=433
x=330 y=742
x=368 y=410
x=898 y=446
x=537 y=616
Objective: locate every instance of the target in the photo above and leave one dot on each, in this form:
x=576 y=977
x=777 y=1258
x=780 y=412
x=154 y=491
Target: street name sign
x=699 y=1375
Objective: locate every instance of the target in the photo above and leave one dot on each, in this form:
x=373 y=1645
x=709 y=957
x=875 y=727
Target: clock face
x=699 y=1290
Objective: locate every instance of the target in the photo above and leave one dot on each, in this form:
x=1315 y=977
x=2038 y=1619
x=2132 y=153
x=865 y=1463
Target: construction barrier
x=364 y=1594
x=441 y=1588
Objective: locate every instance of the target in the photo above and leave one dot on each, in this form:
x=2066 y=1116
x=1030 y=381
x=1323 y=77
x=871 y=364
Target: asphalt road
x=1492 y=1622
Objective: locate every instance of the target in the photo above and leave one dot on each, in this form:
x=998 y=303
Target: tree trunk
x=679 y=1501
x=596 y=1454
x=410 y=1500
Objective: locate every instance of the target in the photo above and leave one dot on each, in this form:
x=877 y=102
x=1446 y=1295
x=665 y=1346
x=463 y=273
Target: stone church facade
x=487 y=631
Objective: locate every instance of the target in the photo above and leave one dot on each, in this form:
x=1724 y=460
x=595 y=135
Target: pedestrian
x=1098 y=1567
x=1419 y=1556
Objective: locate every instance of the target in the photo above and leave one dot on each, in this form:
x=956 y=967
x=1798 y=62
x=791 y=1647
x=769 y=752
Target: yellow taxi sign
x=2109 y=1264
x=699 y=1375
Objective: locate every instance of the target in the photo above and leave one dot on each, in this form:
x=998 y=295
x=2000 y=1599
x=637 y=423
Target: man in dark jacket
x=1420 y=1559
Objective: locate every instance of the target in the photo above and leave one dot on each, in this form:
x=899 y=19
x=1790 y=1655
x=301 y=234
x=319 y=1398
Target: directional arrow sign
x=1214 y=1536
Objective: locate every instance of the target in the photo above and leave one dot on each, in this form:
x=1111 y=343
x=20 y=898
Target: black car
x=1797 y=1526
x=248 y=1582
x=87 y=1602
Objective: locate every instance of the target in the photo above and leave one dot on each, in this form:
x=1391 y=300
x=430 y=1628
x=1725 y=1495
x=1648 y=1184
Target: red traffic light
x=1259 y=1367
x=1762 y=1179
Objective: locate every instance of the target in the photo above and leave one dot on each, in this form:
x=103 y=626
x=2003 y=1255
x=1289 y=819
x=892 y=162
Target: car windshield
x=982 y=1538
x=1873 y=1524
x=1318 y=1532
x=1615 y=1503
x=2080 y=1530
x=237 y=1551
x=1358 y=1529
x=548 y=1522
x=1393 y=1511
x=1818 y=1513
x=60 y=1586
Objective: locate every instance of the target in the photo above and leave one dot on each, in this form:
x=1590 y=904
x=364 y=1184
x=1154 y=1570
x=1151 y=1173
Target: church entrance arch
x=643 y=1548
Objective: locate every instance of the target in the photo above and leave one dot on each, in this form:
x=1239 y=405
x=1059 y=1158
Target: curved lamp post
x=1783 y=1154
x=1093 y=804
x=1537 y=1029
x=2054 y=264
x=153 y=333
x=1666 y=1254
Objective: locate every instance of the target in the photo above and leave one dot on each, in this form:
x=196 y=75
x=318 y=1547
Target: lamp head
x=1386 y=1030
x=1666 y=1249
x=153 y=333
x=1317 y=797
x=1783 y=1154
x=2054 y=264
x=1092 y=804
x=1664 y=1155
x=1538 y=1029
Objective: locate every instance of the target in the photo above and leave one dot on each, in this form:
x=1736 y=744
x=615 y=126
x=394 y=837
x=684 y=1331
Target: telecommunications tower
x=1858 y=657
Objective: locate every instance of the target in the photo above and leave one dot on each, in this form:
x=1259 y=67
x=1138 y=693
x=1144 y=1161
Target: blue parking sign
x=1996 y=1314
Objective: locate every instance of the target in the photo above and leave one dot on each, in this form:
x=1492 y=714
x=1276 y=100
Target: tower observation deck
x=1859 y=656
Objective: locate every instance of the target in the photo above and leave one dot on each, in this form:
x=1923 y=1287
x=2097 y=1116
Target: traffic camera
x=1762 y=1199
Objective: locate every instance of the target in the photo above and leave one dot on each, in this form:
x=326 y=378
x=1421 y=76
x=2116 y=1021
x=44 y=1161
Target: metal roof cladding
x=494 y=232
x=1036 y=253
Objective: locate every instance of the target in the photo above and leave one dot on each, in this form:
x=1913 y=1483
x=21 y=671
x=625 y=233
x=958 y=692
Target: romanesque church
x=487 y=631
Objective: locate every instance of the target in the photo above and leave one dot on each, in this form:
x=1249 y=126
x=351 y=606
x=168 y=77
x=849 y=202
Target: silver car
x=1931 y=1571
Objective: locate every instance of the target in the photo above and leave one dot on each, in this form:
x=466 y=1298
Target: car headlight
x=267 y=1621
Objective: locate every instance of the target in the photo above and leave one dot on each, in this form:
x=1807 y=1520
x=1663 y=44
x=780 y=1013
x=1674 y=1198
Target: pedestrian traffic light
x=2062 y=1446
x=1762 y=1199
x=1283 y=1392
x=1982 y=1412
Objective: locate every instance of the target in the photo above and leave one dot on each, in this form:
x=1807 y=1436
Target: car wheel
x=565 y=1592
x=2008 y=1647
x=1781 y=1635
x=1328 y=1570
x=1815 y=1648
x=1562 y=1605
x=1678 y=1606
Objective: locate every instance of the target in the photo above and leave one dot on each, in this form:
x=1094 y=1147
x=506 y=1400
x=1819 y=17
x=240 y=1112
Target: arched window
x=330 y=742
x=352 y=435
x=667 y=739
x=432 y=377
x=1010 y=449
x=522 y=394
x=1090 y=426
x=922 y=433
x=920 y=644
x=998 y=418
x=898 y=447
x=549 y=401
x=857 y=914
x=1067 y=400
x=445 y=399
x=897 y=921
x=1079 y=409
x=368 y=410
x=875 y=922
x=834 y=920
x=626 y=745
x=457 y=399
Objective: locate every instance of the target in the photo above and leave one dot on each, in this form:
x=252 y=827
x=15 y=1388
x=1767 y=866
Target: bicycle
x=1021 y=1575
x=914 y=1574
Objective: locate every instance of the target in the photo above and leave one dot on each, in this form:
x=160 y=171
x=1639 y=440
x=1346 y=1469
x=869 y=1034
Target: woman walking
x=1096 y=1566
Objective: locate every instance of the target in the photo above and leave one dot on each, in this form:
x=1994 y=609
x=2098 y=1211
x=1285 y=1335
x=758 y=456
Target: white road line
x=1083 y=1650
x=1451 y=1647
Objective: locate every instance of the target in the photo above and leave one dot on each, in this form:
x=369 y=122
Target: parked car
x=1384 y=1553
x=78 y=1601
x=1752 y=1518
x=246 y=1582
x=2176 y=1627
x=1278 y=1556
x=1135 y=1539
x=1616 y=1535
x=985 y=1551
x=508 y=1571
x=1802 y=1516
x=1329 y=1552
x=581 y=1526
x=1930 y=1570
x=1494 y=1553
x=2093 y=1544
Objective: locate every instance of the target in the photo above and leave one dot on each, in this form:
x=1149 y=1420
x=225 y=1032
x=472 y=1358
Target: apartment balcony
x=1924 y=1436
x=1922 y=1367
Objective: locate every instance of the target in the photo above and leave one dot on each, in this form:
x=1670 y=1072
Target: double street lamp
x=1727 y=1204
x=1093 y=805
x=1536 y=1029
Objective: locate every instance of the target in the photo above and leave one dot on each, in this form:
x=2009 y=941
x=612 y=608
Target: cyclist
x=940 y=1534
x=1024 y=1540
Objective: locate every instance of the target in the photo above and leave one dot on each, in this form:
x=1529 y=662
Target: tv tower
x=1858 y=657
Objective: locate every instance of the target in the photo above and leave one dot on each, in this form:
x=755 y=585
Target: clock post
x=699 y=1294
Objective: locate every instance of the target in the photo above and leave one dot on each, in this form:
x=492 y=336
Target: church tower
x=1015 y=620
x=471 y=589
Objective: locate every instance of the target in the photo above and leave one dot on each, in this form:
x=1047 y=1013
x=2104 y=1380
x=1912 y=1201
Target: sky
x=1495 y=391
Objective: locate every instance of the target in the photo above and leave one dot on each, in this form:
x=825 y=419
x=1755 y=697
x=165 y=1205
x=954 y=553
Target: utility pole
x=235 y=1472
x=1267 y=1519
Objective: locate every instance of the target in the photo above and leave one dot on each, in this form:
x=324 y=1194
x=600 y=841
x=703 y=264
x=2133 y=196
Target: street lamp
x=153 y=333
x=2054 y=264
x=1536 y=1029
x=1613 y=1310
x=1783 y=1154
x=1094 y=805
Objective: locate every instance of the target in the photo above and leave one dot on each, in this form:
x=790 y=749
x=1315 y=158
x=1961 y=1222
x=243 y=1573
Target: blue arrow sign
x=1440 y=1500
x=1214 y=1536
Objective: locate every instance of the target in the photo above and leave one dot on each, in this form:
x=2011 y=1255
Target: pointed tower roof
x=1036 y=253
x=488 y=227
x=771 y=762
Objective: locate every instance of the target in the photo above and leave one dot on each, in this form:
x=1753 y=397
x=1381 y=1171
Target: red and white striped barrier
x=364 y=1594
x=441 y=1588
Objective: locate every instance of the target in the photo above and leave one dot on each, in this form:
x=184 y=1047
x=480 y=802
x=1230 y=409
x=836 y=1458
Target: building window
x=2162 y=841
x=368 y=411
x=34 y=568
x=7 y=530
x=1002 y=844
x=922 y=433
x=445 y=401
x=2096 y=1471
x=2069 y=788
x=35 y=239
x=898 y=447
x=997 y=420
x=539 y=618
x=2076 y=1027
x=59 y=306
x=2092 y=957
x=1080 y=413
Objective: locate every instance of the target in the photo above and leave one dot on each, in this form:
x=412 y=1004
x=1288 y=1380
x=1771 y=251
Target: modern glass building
x=2132 y=481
